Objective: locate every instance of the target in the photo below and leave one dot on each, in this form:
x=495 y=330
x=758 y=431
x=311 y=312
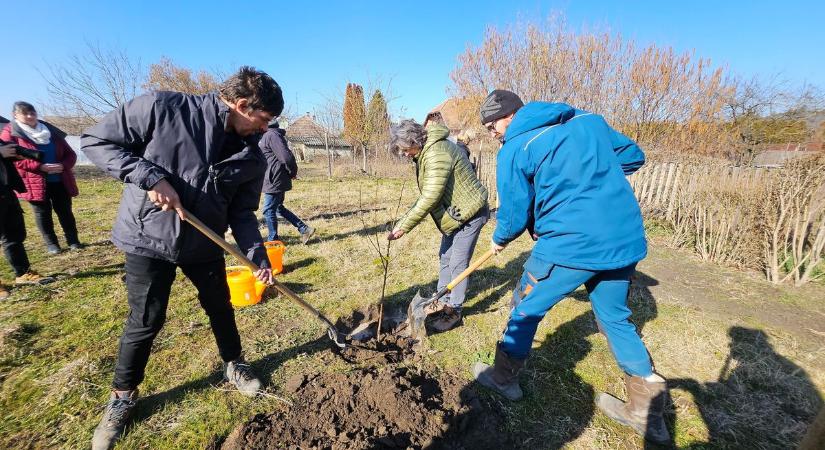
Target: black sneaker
x=114 y=420
x=240 y=374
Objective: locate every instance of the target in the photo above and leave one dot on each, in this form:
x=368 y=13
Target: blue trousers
x=543 y=285
x=274 y=207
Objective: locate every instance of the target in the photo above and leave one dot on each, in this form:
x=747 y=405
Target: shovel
x=234 y=251
x=417 y=312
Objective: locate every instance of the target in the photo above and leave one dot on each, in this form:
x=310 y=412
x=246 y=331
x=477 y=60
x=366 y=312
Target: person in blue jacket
x=561 y=175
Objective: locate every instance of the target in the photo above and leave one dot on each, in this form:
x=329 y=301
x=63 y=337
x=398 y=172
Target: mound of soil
x=377 y=407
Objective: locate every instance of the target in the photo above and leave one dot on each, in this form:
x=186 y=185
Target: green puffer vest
x=450 y=191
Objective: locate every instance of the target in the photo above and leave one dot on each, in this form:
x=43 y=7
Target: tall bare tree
x=330 y=122
x=88 y=85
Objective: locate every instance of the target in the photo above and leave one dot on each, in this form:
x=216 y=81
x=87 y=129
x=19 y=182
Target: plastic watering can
x=244 y=288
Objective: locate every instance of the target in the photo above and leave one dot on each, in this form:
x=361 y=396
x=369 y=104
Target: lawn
x=739 y=380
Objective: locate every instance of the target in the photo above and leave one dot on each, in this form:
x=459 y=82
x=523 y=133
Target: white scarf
x=40 y=134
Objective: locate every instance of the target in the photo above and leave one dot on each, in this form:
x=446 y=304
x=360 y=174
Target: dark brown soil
x=376 y=407
x=388 y=400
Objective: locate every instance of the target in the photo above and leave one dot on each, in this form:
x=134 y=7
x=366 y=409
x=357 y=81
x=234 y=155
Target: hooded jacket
x=33 y=178
x=564 y=170
x=183 y=139
x=450 y=192
x=281 y=166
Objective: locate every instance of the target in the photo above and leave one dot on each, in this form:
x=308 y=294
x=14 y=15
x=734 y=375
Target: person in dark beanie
x=50 y=182
x=562 y=172
x=177 y=152
x=281 y=169
x=12 y=226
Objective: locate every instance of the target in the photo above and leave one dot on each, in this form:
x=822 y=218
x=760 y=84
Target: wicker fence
x=767 y=220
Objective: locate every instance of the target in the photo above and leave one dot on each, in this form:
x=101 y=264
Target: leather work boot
x=114 y=419
x=450 y=318
x=4 y=293
x=643 y=410
x=240 y=374
x=32 y=277
x=503 y=376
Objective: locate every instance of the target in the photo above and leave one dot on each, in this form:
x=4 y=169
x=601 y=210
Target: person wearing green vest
x=452 y=195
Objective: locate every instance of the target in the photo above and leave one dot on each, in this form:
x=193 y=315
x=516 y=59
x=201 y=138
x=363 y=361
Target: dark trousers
x=148 y=283
x=13 y=232
x=57 y=199
x=274 y=207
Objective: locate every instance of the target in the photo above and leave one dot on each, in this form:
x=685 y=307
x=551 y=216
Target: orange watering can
x=244 y=288
x=275 y=253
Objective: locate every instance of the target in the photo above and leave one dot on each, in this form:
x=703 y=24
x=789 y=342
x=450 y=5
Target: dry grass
x=58 y=352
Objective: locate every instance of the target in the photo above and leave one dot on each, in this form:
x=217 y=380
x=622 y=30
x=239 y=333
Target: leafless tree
x=88 y=85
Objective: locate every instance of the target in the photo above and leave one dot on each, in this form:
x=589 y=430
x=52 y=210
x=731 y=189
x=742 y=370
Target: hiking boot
x=114 y=419
x=4 y=293
x=307 y=235
x=239 y=373
x=503 y=376
x=32 y=277
x=53 y=249
x=449 y=319
x=644 y=409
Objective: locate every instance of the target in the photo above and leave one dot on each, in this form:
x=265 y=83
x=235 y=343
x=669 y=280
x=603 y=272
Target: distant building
x=447 y=112
x=307 y=140
x=777 y=155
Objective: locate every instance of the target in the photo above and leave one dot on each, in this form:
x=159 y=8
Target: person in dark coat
x=281 y=169
x=50 y=182
x=12 y=226
x=193 y=154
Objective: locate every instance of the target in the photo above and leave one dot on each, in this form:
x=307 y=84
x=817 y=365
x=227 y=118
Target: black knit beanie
x=498 y=104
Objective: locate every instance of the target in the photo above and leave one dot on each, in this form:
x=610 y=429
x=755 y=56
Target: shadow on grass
x=760 y=400
x=342 y=214
x=558 y=404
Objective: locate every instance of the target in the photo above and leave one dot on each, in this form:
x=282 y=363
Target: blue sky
x=314 y=48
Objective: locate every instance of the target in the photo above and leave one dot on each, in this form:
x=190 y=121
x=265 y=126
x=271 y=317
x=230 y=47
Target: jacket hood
x=436 y=133
x=537 y=115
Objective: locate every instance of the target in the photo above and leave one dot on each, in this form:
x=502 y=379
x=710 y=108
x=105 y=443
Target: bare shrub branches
x=772 y=221
x=91 y=84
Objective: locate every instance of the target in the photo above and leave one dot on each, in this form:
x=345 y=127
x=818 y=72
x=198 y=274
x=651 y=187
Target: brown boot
x=32 y=277
x=4 y=293
x=643 y=410
x=450 y=318
x=503 y=376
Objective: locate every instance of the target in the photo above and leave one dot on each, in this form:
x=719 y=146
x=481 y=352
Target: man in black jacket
x=173 y=152
x=281 y=169
x=12 y=226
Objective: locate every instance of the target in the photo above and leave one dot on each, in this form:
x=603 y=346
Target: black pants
x=13 y=231
x=57 y=198
x=148 y=283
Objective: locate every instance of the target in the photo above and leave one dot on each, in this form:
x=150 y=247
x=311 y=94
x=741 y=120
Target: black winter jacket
x=183 y=139
x=9 y=178
x=281 y=165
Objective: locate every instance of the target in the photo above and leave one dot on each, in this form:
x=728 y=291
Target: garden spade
x=421 y=307
x=333 y=333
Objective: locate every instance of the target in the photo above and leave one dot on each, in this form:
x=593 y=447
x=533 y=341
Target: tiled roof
x=306 y=131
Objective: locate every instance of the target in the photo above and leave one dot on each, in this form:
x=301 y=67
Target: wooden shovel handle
x=475 y=265
x=234 y=251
